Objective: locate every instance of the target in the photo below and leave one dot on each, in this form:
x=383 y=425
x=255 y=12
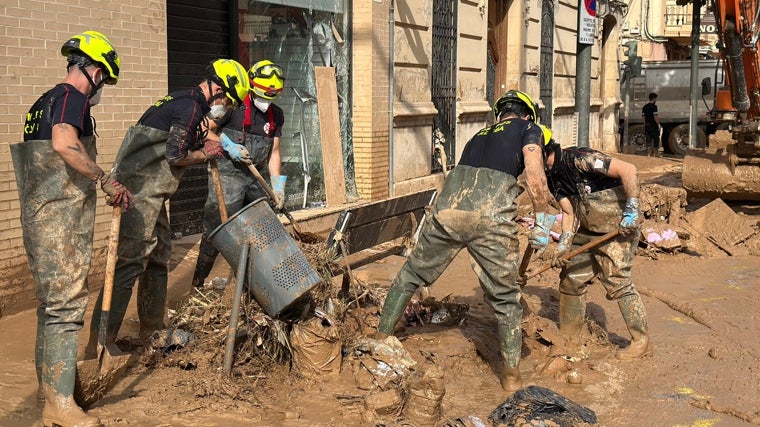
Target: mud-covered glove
x=211 y=149
x=630 y=221
x=237 y=152
x=278 y=186
x=563 y=247
x=116 y=194
x=539 y=235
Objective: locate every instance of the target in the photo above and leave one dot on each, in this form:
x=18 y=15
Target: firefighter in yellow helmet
x=476 y=210
x=249 y=137
x=57 y=178
x=169 y=136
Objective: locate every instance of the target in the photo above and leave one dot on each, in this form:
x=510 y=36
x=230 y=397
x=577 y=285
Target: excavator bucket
x=712 y=173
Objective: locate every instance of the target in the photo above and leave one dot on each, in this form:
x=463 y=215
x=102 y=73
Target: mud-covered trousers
x=58 y=219
x=610 y=261
x=476 y=211
x=240 y=188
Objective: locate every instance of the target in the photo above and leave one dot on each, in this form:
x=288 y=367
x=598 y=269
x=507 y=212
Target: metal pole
x=627 y=113
x=695 y=93
x=586 y=31
x=229 y=353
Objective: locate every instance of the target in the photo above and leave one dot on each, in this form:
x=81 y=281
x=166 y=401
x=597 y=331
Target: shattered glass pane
x=299 y=35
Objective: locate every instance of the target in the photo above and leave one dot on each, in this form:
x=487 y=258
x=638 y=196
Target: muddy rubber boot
x=393 y=308
x=39 y=353
x=203 y=267
x=572 y=314
x=632 y=309
x=58 y=375
x=510 y=341
x=151 y=299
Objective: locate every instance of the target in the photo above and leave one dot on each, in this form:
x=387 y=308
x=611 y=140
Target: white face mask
x=217 y=111
x=262 y=104
x=95 y=99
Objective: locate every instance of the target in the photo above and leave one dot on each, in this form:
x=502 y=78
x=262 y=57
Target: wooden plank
x=329 y=132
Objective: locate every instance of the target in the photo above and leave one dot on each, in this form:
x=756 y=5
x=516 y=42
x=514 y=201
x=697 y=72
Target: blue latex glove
x=630 y=221
x=539 y=236
x=236 y=152
x=563 y=247
x=278 y=186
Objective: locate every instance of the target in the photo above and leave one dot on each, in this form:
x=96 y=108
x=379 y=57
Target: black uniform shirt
x=499 y=146
x=580 y=170
x=267 y=124
x=180 y=113
x=61 y=104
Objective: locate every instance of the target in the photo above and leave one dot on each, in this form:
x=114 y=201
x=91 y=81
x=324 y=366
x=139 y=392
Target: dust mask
x=217 y=112
x=95 y=98
x=262 y=104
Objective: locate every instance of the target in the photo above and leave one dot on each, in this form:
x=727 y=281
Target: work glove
x=563 y=247
x=630 y=221
x=211 y=149
x=237 y=152
x=539 y=235
x=278 y=186
x=116 y=194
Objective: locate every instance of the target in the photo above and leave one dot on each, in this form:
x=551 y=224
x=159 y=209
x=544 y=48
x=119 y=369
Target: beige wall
x=31 y=63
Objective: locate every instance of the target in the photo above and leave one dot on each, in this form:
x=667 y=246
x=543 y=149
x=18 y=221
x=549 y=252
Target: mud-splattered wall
x=31 y=63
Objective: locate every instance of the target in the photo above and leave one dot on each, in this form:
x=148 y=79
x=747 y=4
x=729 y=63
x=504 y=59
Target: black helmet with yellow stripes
x=518 y=102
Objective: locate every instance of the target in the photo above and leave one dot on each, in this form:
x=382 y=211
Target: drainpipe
x=695 y=22
x=391 y=60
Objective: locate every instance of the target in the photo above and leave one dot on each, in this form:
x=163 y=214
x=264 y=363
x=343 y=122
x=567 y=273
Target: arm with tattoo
x=67 y=144
x=535 y=177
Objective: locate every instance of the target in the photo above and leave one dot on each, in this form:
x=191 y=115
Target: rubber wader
x=632 y=309
x=572 y=313
x=59 y=366
x=510 y=340
x=393 y=308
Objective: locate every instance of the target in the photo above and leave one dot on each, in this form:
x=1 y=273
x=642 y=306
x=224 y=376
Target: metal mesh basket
x=278 y=272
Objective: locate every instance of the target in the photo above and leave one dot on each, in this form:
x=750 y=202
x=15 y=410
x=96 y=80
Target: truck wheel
x=638 y=138
x=678 y=139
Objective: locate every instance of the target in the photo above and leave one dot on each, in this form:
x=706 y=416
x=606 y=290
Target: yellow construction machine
x=731 y=169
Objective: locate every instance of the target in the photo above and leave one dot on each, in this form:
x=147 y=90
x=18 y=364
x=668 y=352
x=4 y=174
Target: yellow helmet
x=231 y=76
x=98 y=49
x=547 y=134
x=267 y=79
x=519 y=97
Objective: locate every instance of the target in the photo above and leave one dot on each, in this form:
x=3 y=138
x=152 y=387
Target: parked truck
x=670 y=80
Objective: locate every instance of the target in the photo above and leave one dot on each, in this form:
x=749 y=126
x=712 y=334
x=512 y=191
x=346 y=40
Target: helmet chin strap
x=95 y=87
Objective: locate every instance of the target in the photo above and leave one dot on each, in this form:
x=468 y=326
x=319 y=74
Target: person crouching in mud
x=602 y=193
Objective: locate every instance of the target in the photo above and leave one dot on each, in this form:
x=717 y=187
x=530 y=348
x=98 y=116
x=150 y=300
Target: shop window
x=299 y=35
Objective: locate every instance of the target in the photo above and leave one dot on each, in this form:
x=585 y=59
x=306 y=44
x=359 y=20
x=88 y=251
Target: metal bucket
x=277 y=273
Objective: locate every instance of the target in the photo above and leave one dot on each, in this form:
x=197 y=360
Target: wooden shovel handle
x=218 y=188
x=113 y=245
x=580 y=250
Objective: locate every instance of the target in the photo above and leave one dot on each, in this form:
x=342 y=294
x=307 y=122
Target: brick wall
x=370 y=98
x=32 y=33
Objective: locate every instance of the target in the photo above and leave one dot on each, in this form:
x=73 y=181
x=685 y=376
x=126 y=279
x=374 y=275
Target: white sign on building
x=586 y=21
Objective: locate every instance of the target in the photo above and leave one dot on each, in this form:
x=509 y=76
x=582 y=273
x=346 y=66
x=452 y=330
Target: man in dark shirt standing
x=168 y=137
x=57 y=177
x=651 y=125
x=476 y=210
x=597 y=194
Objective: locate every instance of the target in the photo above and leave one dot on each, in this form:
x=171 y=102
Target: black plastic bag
x=535 y=406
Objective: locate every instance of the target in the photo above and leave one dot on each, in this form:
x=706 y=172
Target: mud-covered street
x=703 y=317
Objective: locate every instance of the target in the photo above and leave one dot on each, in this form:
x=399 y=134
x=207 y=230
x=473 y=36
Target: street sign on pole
x=586 y=21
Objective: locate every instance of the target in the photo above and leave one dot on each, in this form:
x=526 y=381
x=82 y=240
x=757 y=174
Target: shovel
x=580 y=250
x=270 y=193
x=95 y=377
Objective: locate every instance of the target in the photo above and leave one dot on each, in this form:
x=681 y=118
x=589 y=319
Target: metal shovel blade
x=95 y=377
